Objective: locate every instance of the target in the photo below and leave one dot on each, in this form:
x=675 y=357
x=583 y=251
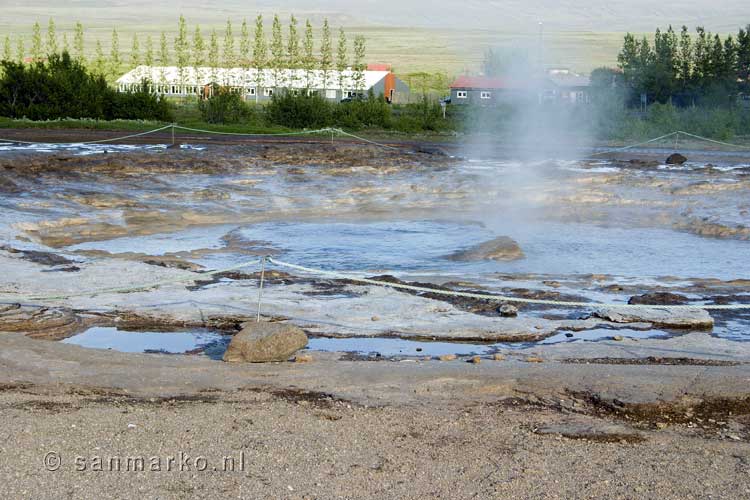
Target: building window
x=268 y=92
x=173 y=89
x=251 y=91
x=330 y=94
x=462 y=94
x=311 y=92
x=485 y=95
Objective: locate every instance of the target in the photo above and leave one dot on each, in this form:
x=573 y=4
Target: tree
x=743 y=58
x=182 y=49
x=701 y=59
x=135 y=52
x=148 y=57
x=78 y=46
x=20 y=51
x=213 y=55
x=260 y=54
x=359 y=63
x=277 y=52
x=326 y=54
x=7 y=51
x=293 y=54
x=100 y=62
x=685 y=60
x=308 y=59
x=36 y=42
x=245 y=45
x=342 y=61
x=52 y=47
x=163 y=58
x=115 y=60
x=627 y=61
x=199 y=52
x=229 y=55
x=66 y=46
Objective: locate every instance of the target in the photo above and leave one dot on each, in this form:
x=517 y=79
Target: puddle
x=210 y=343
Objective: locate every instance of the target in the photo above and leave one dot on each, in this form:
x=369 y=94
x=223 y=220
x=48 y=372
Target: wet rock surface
x=697 y=319
x=39 y=322
x=265 y=342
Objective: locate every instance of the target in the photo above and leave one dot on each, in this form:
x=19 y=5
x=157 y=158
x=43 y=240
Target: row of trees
x=684 y=68
x=192 y=47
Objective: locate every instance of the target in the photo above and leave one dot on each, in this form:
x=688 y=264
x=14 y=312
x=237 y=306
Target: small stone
x=617 y=338
x=569 y=335
x=131 y=426
x=508 y=311
x=448 y=357
x=734 y=437
x=661 y=425
x=303 y=358
x=375 y=318
x=475 y=360
x=534 y=359
x=498 y=357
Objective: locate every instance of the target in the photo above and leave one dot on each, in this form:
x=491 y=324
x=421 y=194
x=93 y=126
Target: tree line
x=193 y=47
x=683 y=69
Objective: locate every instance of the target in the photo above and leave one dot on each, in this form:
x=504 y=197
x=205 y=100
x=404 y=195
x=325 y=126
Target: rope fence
x=341 y=133
x=356 y=277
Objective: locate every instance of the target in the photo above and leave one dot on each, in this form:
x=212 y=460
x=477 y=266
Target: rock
x=534 y=359
x=697 y=319
x=659 y=299
x=303 y=358
x=475 y=360
x=508 y=311
x=502 y=248
x=447 y=357
x=676 y=159
x=569 y=335
x=617 y=338
x=498 y=357
x=39 y=322
x=600 y=431
x=265 y=342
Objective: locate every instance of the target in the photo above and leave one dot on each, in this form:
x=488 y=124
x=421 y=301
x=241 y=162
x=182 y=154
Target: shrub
x=300 y=111
x=224 y=107
x=62 y=88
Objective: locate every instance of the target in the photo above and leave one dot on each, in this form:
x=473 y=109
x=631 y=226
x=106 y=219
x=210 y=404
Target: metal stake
x=260 y=288
x=173 y=134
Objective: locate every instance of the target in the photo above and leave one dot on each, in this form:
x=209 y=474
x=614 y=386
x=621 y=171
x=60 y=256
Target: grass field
x=410 y=50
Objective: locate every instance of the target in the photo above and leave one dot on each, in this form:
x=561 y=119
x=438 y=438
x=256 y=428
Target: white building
x=260 y=86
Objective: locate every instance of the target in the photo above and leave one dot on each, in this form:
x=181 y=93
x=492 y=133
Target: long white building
x=259 y=86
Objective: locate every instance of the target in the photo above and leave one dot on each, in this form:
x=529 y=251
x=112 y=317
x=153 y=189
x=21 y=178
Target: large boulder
x=502 y=248
x=694 y=319
x=265 y=342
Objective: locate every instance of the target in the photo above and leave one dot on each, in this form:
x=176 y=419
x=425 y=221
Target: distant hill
x=505 y=15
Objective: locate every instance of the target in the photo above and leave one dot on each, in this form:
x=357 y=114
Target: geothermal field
x=126 y=271
x=600 y=231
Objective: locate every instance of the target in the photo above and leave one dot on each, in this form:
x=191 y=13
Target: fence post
x=260 y=288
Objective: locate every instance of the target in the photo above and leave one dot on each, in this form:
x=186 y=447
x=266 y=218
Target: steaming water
x=423 y=246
